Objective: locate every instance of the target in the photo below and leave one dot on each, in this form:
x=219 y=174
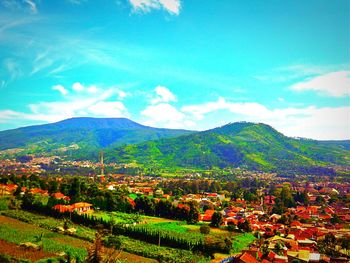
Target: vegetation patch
x=241 y=242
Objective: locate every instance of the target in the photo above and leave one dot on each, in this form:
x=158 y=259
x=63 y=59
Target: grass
x=19 y=232
x=125 y=218
x=170 y=226
x=130 y=245
x=242 y=241
x=53 y=241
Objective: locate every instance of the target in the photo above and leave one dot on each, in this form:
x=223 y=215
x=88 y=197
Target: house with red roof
x=59 y=196
x=245 y=258
x=81 y=207
x=38 y=191
x=7 y=189
x=208 y=214
x=269 y=200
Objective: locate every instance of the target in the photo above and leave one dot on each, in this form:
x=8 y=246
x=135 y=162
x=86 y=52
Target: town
x=239 y=216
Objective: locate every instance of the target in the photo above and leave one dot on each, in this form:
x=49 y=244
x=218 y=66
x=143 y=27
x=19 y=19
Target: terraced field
x=13 y=232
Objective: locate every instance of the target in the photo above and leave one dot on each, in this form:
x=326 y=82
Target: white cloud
x=108 y=109
x=309 y=122
x=77 y=86
x=32 y=6
x=92 y=89
x=164 y=95
x=164 y=115
x=122 y=94
x=61 y=89
x=172 y=6
x=99 y=103
x=334 y=84
x=320 y=123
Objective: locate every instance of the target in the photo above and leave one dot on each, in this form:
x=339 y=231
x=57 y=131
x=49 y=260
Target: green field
x=241 y=242
x=129 y=244
x=18 y=232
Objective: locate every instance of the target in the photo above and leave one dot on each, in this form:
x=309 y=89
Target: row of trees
x=188 y=212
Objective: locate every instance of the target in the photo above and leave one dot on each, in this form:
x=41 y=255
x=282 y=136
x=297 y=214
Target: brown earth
x=14 y=250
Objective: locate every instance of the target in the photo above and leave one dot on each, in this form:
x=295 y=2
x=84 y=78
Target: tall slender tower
x=102 y=164
x=101 y=176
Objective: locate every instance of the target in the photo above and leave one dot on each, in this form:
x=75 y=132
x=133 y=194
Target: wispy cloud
x=76 y=2
x=32 y=6
x=21 y=5
x=13 y=68
x=298 y=71
x=334 y=84
x=144 y=6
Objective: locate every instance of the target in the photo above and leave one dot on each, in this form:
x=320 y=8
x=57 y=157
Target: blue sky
x=178 y=63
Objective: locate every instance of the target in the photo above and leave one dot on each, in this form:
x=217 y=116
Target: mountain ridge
x=256 y=146
x=96 y=132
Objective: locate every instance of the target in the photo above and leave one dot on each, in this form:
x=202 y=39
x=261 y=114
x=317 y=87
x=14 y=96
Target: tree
x=344 y=243
x=95 y=251
x=75 y=191
x=216 y=219
x=245 y=226
x=193 y=216
x=286 y=196
x=335 y=219
x=53 y=186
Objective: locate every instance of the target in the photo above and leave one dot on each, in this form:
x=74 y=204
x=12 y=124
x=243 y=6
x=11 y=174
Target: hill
x=82 y=134
x=252 y=145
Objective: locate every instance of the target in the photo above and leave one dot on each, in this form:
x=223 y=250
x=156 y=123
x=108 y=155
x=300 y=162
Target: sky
x=191 y=64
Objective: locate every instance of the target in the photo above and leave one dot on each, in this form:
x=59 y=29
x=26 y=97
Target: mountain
x=253 y=145
x=81 y=135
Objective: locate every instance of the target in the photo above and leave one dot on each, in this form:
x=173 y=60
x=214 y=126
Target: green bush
x=5 y=258
x=4 y=204
x=231 y=228
x=204 y=229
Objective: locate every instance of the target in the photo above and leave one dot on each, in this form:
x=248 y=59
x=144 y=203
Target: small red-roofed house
x=131 y=202
x=59 y=195
x=271 y=256
x=269 y=200
x=63 y=208
x=82 y=207
x=246 y=258
x=207 y=215
x=7 y=189
x=296 y=224
x=329 y=210
x=38 y=191
x=301 y=208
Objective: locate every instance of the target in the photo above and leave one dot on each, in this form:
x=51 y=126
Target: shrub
x=4 y=204
x=231 y=228
x=5 y=258
x=204 y=229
